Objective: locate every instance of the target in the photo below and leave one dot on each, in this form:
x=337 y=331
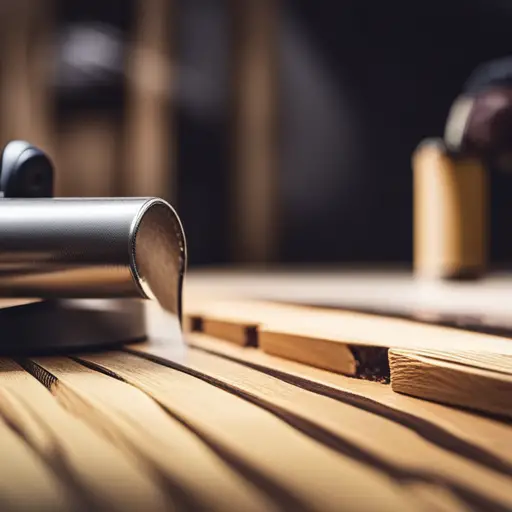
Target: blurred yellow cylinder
x=450 y=214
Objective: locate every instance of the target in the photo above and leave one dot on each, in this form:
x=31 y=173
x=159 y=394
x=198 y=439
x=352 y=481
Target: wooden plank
x=375 y=438
x=342 y=341
x=23 y=470
x=100 y=476
x=448 y=381
x=438 y=499
x=26 y=483
x=487 y=441
x=298 y=471
x=500 y=363
x=136 y=424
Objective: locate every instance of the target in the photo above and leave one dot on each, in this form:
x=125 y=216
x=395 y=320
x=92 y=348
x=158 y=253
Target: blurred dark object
x=360 y=86
x=480 y=122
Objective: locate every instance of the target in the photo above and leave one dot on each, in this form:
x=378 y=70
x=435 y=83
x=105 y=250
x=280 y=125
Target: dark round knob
x=25 y=171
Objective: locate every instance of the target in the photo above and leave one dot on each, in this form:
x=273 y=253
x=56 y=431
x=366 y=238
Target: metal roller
x=89 y=260
x=92 y=248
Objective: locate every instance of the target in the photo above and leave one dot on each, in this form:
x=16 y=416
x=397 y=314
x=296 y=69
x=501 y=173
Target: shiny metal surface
x=92 y=248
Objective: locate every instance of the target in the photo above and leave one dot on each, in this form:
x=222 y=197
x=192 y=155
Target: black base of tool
x=67 y=326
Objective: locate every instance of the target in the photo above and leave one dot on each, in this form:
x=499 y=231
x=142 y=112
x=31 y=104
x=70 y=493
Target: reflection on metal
x=92 y=248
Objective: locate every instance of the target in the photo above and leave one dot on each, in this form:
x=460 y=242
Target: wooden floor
x=207 y=422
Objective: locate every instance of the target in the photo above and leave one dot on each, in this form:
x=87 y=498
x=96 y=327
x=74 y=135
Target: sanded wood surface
x=299 y=472
x=217 y=425
x=93 y=470
x=138 y=425
x=343 y=341
x=175 y=429
x=487 y=441
x=375 y=438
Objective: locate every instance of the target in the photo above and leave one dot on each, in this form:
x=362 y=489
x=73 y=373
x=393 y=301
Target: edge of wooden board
x=452 y=383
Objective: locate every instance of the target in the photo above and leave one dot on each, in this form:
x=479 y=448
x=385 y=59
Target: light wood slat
x=500 y=363
x=302 y=472
x=438 y=499
x=341 y=341
x=99 y=474
x=138 y=425
x=385 y=443
x=26 y=483
x=486 y=440
x=450 y=382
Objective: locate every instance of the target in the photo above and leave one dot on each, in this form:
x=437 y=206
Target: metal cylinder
x=92 y=248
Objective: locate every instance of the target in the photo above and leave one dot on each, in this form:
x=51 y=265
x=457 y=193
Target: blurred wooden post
x=87 y=157
x=450 y=214
x=149 y=145
x=254 y=180
x=26 y=66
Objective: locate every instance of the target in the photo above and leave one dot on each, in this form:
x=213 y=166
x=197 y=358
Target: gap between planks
x=88 y=471
x=139 y=427
x=311 y=475
x=345 y=342
x=487 y=441
x=375 y=439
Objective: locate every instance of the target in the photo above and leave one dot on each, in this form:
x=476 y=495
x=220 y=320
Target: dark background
x=359 y=85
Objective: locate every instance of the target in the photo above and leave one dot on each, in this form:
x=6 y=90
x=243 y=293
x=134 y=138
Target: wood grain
x=376 y=439
x=194 y=476
x=487 y=441
x=300 y=472
x=99 y=475
x=450 y=382
x=500 y=363
x=25 y=482
x=341 y=341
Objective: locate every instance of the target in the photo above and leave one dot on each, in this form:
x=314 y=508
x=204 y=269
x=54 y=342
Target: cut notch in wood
x=346 y=342
x=364 y=435
x=445 y=426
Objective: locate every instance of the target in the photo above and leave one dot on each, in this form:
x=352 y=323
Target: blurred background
x=281 y=130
